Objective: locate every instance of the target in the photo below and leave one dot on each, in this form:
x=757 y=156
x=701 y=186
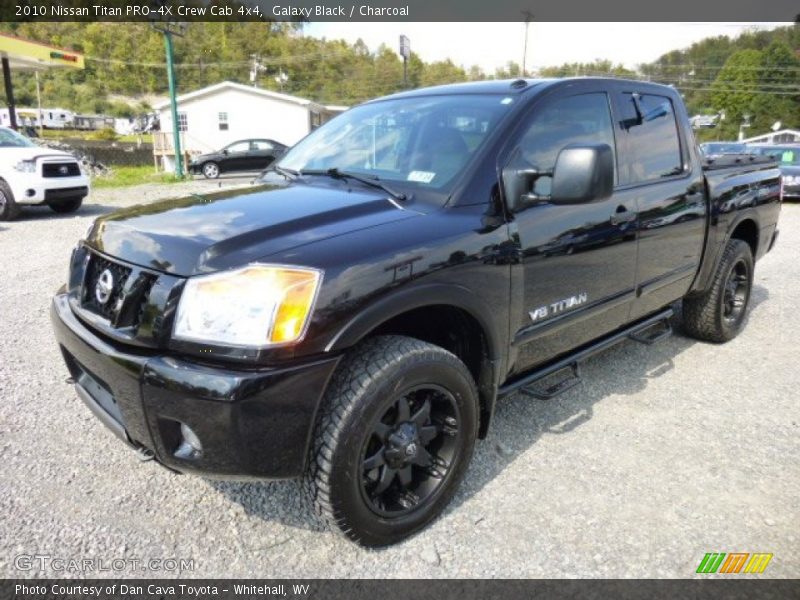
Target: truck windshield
x=419 y=142
x=722 y=148
x=786 y=155
x=11 y=139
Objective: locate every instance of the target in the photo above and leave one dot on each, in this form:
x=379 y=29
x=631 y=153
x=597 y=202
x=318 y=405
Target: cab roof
x=489 y=86
x=509 y=86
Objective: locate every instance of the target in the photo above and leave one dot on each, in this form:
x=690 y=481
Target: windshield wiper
x=290 y=174
x=370 y=181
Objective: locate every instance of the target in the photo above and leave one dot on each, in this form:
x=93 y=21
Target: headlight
x=791 y=179
x=258 y=305
x=26 y=166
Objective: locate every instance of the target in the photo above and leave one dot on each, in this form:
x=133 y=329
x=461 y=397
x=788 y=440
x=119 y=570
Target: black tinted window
x=583 y=119
x=653 y=150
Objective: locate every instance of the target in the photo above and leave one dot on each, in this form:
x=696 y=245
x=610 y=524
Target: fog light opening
x=190 y=446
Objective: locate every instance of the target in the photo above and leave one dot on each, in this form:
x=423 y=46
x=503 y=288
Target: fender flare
x=420 y=296
x=720 y=240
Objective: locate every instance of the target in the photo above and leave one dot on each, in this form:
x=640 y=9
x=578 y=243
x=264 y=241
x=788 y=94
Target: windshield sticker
x=787 y=157
x=421 y=176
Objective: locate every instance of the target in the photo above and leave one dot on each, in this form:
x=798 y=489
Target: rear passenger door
x=656 y=176
x=261 y=154
x=579 y=260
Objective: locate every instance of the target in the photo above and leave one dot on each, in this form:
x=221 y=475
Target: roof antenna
x=518 y=84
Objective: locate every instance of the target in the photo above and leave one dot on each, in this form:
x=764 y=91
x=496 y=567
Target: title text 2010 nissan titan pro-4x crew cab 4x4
x=354 y=317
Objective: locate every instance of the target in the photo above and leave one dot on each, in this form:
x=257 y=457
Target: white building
x=214 y=116
x=782 y=136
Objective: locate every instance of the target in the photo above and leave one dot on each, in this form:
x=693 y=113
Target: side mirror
x=582 y=174
x=225 y=152
x=518 y=184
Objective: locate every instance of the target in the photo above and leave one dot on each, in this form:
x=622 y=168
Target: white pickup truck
x=32 y=175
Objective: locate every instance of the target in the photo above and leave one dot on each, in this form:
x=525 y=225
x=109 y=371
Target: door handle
x=622 y=215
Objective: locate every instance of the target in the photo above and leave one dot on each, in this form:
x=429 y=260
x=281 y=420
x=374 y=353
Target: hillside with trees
x=755 y=74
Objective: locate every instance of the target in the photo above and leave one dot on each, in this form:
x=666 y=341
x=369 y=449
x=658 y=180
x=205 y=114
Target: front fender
x=430 y=294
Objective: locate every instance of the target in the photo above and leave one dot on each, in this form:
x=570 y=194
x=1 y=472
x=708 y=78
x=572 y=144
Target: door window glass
x=582 y=119
x=238 y=147
x=653 y=150
x=260 y=145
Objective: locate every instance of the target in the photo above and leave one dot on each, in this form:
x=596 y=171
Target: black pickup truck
x=354 y=317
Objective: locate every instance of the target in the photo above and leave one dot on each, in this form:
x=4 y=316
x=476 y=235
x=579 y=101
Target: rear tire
x=394 y=439
x=67 y=205
x=718 y=314
x=9 y=209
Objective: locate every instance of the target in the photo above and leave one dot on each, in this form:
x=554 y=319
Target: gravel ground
x=663 y=454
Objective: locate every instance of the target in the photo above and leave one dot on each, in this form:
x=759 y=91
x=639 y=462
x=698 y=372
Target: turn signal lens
x=293 y=311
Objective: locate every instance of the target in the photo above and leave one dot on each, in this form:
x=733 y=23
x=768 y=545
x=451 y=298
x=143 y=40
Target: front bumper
x=791 y=192
x=31 y=188
x=253 y=423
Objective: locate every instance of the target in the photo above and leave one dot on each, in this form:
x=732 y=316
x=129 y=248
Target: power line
x=766 y=92
x=284 y=60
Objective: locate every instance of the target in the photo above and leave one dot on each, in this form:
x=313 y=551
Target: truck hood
x=14 y=155
x=223 y=230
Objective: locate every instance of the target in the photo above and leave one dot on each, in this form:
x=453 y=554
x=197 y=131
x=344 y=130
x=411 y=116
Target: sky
x=492 y=45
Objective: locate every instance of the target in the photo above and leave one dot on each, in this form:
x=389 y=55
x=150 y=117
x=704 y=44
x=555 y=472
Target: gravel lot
x=663 y=454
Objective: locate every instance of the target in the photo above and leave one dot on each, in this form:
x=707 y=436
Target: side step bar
x=652 y=334
x=657 y=325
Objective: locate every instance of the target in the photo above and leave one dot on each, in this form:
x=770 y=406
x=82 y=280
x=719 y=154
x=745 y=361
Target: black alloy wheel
x=408 y=455
x=736 y=291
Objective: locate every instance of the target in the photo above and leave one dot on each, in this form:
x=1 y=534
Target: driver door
x=236 y=156
x=578 y=260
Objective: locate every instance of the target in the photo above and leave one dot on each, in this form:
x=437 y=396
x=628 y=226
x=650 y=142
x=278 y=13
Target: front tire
x=718 y=314
x=394 y=439
x=211 y=170
x=9 y=209
x=67 y=205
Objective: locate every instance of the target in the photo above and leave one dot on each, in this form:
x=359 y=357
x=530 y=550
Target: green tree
x=596 y=68
x=779 y=82
x=735 y=89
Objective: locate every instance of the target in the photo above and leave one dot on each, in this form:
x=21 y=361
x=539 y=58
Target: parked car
x=33 y=175
x=244 y=155
x=703 y=121
x=721 y=148
x=788 y=157
x=354 y=318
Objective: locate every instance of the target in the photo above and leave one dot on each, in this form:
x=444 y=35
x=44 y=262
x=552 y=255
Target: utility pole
x=39 y=105
x=12 y=109
x=528 y=16
x=169 y=29
x=254 y=68
x=281 y=78
x=176 y=134
x=405 y=52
